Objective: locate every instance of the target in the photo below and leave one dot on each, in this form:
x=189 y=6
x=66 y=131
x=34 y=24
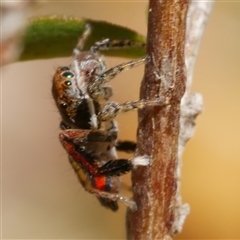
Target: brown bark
x=155 y=187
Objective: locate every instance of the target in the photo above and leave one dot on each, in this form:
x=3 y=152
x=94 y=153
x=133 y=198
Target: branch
x=164 y=131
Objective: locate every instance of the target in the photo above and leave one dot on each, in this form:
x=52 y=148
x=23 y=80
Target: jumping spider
x=89 y=131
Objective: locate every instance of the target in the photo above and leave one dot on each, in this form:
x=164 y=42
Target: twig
x=161 y=131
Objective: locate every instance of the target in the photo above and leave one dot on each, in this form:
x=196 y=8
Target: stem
x=164 y=131
x=155 y=187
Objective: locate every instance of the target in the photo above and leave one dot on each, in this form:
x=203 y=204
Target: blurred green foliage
x=54 y=36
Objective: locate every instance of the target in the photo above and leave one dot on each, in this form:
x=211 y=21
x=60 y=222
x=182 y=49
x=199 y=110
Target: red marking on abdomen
x=100 y=183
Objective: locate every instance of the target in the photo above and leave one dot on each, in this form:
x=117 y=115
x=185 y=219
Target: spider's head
x=69 y=98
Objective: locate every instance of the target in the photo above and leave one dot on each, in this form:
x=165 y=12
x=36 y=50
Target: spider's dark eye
x=68 y=75
x=68 y=83
x=63 y=68
x=63 y=105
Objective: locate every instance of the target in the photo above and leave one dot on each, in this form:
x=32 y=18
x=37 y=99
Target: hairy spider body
x=97 y=174
x=90 y=131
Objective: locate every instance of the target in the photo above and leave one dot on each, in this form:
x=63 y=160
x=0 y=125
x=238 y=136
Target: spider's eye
x=63 y=68
x=68 y=83
x=68 y=75
x=63 y=105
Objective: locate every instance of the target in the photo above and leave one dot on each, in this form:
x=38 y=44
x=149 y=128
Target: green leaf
x=54 y=36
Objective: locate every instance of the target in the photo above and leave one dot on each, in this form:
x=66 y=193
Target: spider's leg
x=126 y=146
x=82 y=40
x=75 y=66
x=114 y=197
x=107 y=44
x=115 y=167
x=107 y=92
x=113 y=72
x=112 y=109
x=119 y=167
x=95 y=87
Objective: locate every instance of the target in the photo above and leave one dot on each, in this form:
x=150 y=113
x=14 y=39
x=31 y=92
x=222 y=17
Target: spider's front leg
x=82 y=40
x=112 y=109
x=108 y=43
x=95 y=88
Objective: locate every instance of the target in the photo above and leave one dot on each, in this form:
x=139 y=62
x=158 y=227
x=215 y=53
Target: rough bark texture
x=161 y=213
x=156 y=186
